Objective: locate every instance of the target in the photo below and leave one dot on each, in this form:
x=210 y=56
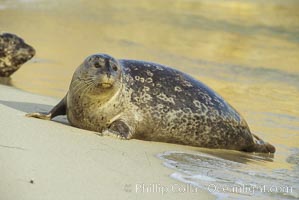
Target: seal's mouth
x=105 y=85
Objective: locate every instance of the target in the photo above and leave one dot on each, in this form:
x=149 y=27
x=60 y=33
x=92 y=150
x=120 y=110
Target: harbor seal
x=13 y=53
x=148 y=101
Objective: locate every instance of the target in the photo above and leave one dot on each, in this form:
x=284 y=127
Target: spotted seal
x=13 y=53
x=148 y=101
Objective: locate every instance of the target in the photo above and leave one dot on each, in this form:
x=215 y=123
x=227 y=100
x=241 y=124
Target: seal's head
x=13 y=52
x=98 y=73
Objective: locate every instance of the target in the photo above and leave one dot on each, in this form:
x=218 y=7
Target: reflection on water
x=236 y=178
x=247 y=50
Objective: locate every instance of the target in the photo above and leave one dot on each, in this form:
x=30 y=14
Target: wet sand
x=52 y=160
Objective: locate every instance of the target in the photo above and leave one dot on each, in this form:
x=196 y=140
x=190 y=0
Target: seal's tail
x=260 y=146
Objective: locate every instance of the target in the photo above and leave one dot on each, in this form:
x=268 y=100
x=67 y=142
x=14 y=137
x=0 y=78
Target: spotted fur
x=153 y=102
x=13 y=53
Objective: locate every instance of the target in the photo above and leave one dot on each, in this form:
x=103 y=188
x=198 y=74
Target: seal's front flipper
x=46 y=116
x=119 y=129
x=59 y=109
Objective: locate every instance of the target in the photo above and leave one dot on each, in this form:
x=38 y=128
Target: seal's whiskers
x=79 y=86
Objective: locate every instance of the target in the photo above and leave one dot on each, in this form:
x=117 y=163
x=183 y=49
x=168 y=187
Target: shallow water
x=234 y=175
x=246 y=50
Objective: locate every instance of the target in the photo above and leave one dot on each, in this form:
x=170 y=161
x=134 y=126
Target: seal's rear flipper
x=59 y=109
x=264 y=148
x=260 y=146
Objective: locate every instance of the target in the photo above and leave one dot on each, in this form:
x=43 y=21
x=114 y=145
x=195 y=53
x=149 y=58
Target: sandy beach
x=52 y=160
x=246 y=51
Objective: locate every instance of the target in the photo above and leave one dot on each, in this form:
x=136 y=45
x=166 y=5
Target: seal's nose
x=102 y=64
x=32 y=51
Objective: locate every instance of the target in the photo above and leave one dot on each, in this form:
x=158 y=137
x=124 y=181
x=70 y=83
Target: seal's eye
x=113 y=66
x=97 y=65
x=12 y=42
